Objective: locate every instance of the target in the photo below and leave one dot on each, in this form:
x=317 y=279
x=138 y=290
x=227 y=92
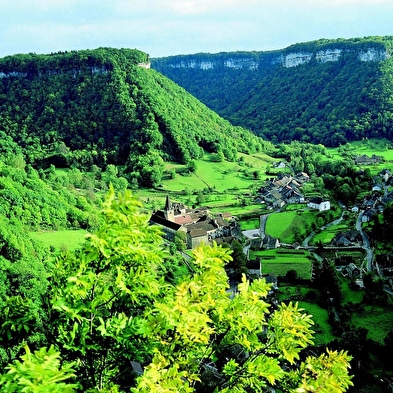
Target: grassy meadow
x=379 y=147
x=327 y=235
x=253 y=223
x=377 y=320
x=280 y=261
x=287 y=225
x=219 y=176
x=225 y=186
x=298 y=293
x=65 y=240
x=322 y=328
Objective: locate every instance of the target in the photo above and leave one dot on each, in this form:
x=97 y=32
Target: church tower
x=169 y=210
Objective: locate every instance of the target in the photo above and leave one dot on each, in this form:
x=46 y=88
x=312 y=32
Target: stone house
x=270 y=243
x=352 y=271
x=198 y=225
x=384 y=265
x=319 y=204
x=169 y=228
x=347 y=238
x=196 y=236
x=386 y=174
x=368 y=215
x=366 y=160
x=254 y=267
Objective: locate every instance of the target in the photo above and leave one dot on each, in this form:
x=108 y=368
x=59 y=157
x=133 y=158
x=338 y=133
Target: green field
x=322 y=328
x=61 y=240
x=377 y=320
x=280 y=261
x=220 y=176
x=326 y=236
x=287 y=225
x=252 y=223
x=379 y=147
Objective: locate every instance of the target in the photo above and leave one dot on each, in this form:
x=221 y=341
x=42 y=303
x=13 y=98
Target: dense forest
x=105 y=106
x=334 y=91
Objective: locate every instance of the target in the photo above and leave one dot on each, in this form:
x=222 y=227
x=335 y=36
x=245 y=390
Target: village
x=199 y=225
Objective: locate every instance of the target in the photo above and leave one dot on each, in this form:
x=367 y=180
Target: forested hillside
x=106 y=106
x=327 y=91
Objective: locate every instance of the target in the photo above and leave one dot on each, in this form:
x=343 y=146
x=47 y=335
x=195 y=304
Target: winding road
x=366 y=243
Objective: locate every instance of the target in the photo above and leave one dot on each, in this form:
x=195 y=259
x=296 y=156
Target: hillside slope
x=106 y=106
x=327 y=91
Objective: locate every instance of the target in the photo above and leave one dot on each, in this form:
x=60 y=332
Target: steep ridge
x=107 y=106
x=327 y=91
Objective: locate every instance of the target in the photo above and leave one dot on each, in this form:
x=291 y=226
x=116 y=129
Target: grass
x=61 y=240
x=286 y=225
x=377 y=320
x=322 y=328
x=350 y=295
x=279 y=262
x=380 y=147
x=220 y=176
x=326 y=236
x=252 y=223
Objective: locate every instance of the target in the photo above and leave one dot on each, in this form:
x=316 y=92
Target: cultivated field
x=288 y=225
x=280 y=261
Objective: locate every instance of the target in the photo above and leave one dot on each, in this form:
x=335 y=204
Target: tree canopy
x=105 y=106
x=329 y=102
x=108 y=308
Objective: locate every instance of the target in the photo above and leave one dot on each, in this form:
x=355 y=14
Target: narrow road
x=262 y=225
x=366 y=243
x=312 y=234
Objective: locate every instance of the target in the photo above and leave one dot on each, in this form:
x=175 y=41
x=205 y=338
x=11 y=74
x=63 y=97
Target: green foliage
x=93 y=291
x=26 y=200
x=38 y=372
x=325 y=374
x=105 y=107
x=108 y=304
x=330 y=102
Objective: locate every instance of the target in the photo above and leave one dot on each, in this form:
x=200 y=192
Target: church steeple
x=168 y=203
x=168 y=210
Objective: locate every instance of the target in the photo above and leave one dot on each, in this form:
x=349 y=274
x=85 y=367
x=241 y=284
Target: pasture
x=65 y=240
x=327 y=235
x=280 y=261
x=377 y=320
x=298 y=293
x=252 y=223
x=290 y=225
x=220 y=176
x=380 y=147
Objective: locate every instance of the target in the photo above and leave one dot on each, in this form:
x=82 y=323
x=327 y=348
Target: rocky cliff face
x=284 y=59
x=334 y=54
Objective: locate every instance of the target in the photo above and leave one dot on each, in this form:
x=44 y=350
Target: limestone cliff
x=285 y=58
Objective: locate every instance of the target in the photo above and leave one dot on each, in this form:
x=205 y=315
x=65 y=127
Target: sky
x=173 y=27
